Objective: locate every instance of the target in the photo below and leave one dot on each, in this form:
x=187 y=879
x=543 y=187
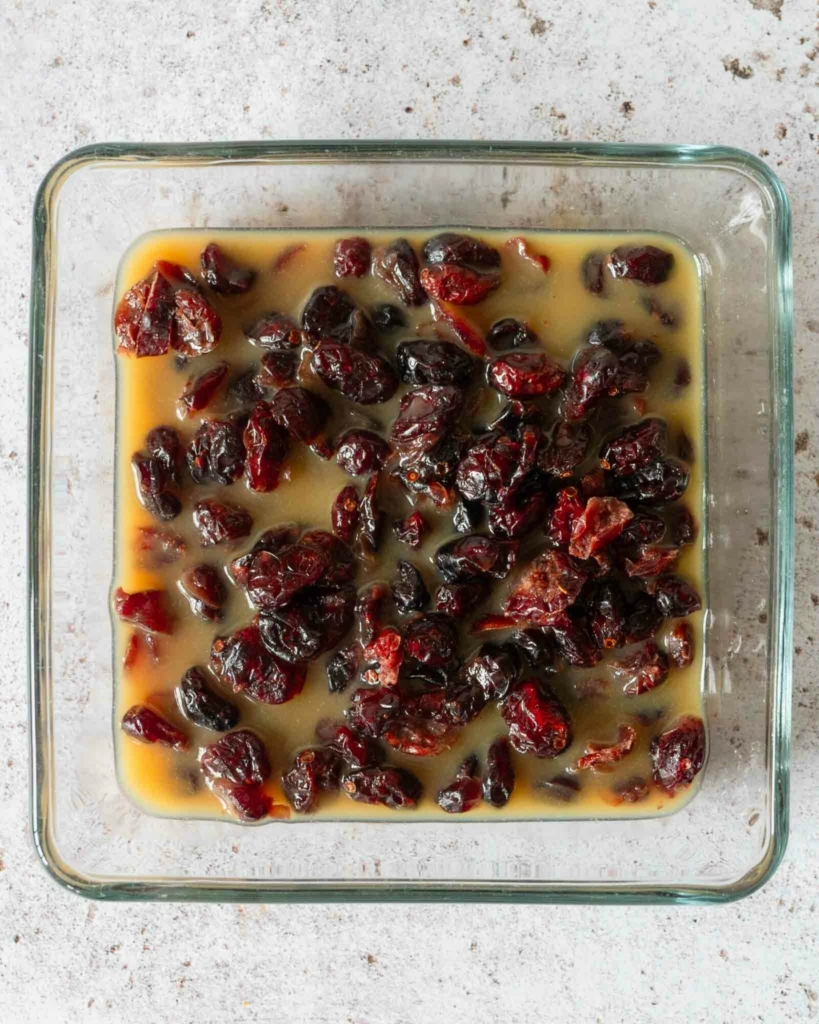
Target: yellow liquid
x=561 y=311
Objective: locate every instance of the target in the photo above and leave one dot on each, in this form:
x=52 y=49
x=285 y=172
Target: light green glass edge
x=781 y=527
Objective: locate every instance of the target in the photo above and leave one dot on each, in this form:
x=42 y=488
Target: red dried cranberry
x=163 y=443
x=369 y=610
x=198 y=392
x=488 y=467
x=650 y=561
x=216 y=453
x=525 y=374
x=275 y=331
x=362 y=451
x=409 y=591
x=472 y=557
x=509 y=333
x=643 y=620
x=312 y=770
x=142 y=723
x=464 y=792
x=645 y=528
x=360 y=377
x=566 y=449
x=266 y=445
x=344 y=514
x=145 y=608
x=463 y=330
x=239 y=757
x=242 y=662
x=247 y=803
x=357 y=751
x=385 y=655
x=370 y=518
x=592 y=273
x=342 y=667
x=607 y=616
x=568 y=508
x=223 y=274
x=465 y=250
x=351 y=257
x=644 y=670
x=635 y=447
x=536 y=645
x=218 y=522
x=420 y=737
x=273 y=580
x=459 y=285
x=277 y=369
x=201 y=705
x=272 y=540
x=300 y=412
x=432 y=640
x=678 y=754
x=157 y=548
x=434 y=362
x=203 y=587
x=679 y=645
x=397 y=264
x=595 y=373
x=341 y=570
x=598 y=525
x=152 y=483
x=391 y=787
x=495 y=668
x=538 y=722
x=517 y=514
x=528 y=253
x=610 y=333
x=593 y=484
x=682 y=525
x=550 y=584
x=410 y=530
x=601 y=754
x=245 y=388
x=331 y=315
x=575 y=643
x=387 y=317
x=371 y=710
x=459 y=599
x=499 y=777
x=675 y=597
x=198 y=325
x=310 y=625
x=644 y=263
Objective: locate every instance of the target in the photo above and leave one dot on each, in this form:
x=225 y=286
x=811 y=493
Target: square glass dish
x=730 y=211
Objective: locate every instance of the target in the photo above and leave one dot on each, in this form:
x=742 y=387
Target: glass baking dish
x=726 y=206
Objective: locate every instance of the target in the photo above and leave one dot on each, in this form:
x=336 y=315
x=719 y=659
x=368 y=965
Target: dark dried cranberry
x=678 y=754
x=410 y=530
x=679 y=645
x=198 y=391
x=499 y=777
x=357 y=751
x=630 y=791
x=525 y=374
x=351 y=257
x=391 y=787
x=266 y=445
x=152 y=483
x=467 y=516
x=644 y=263
x=495 y=668
x=635 y=447
x=517 y=514
x=464 y=792
x=566 y=448
x=142 y=723
x=432 y=472
x=466 y=250
x=644 y=670
x=432 y=640
x=643 y=620
x=595 y=373
x=645 y=528
x=371 y=710
x=203 y=587
x=537 y=646
x=216 y=453
x=397 y=264
x=163 y=443
x=275 y=331
x=425 y=414
x=459 y=599
x=682 y=525
x=601 y=754
x=342 y=667
x=360 y=377
x=601 y=521
x=247 y=803
x=538 y=722
x=277 y=369
x=592 y=273
x=245 y=387
x=200 y=705
x=362 y=452
x=218 y=522
x=309 y=626
x=409 y=591
x=459 y=285
x=198 y=326
x=509 y=333
x=331 y=315
x=607 y=615
x=344 y=514
x=273 y=580
x=144 y=608
x=312 y=770
x=593 y=484
x=369 y=610
x=488 y=467
x=272 y=540
x=434 y=362
x=567 y=510
x=370 y=518
x=239 y=757
x=675 y=597
x=650 y=561
x=223 y=274
x=156 y=548
x=341 y=564
x=610 y=333
x=387 y=317
x=550 y=584
x=575 y=643
x=300 y=412
x=242 y=662
x=473 y=557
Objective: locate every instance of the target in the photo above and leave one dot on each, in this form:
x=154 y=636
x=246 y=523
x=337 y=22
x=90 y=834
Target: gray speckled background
x=742 y=72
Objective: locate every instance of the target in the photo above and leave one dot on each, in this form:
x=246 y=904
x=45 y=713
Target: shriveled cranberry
x=273 y=580
x=312 y=770
x=391 y=787
x=362 y=452
x=459 y=599
x=675 y=597
x=525 y=374
x=357 y=751
x=431 y=639
x=678 y=754
x=341 y=564
x=488 y=467
x=385 y=655
x=242 y=662
x=247 y=803
x=201 y=705
x=499 y=776
x=300 y=412
x=464 y=331
x=223 y=274
x=420 y=737
x=495 y=668
x=550 y=584
x=601 y=521
x=560 y=788
x=425 y=414
x=410 y=530
x=517 y=514
x=644 y=528
x=635 y=447
x=272 y=540
x=538 y=722
x=370 y=518
x=593 y=484
x=536 y=645
x=464 y=792
x=156 y=548
x=679 y=645
x=387 y=317
x=473 y=557
x=434 y=362
x=245 y=388
x=369 y=610
x=591 y=271
x=152 y=486
x=509 y=333
x=409 y=591
x=599 y=755
x=163 y=443
x=682 y=525
x=218 y=522
x=351 y=257
x=650 y=561
x=143 y=723
x=465 y=250
x=567 y=510
x=371 y=710
x=342 y=667
x=216 y=453
x=199 y=390
x=275 y=331
x=266 y=444
x=198 y=325
x=565 y=449
x=462 y=286
x=344 y=514
x=277 y=369
x=239 y=757
x=203 y=587
x=397 y=265
x=331 y=315
x=595 y=373
x=432 y=472
x=613 y=334
x=644 y=670
x=607 y=615
x=307 y=627
x=644 y=263
x=362 y=378
x=144 y=608
x=643 y=619
x=575 y=643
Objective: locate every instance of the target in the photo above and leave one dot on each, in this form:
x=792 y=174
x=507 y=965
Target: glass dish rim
x=781 y=531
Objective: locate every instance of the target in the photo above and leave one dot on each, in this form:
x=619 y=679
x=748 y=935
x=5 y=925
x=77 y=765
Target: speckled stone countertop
x=743 y=73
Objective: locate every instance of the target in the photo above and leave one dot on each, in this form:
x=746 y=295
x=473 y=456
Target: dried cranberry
x=397 y=264
x=198 y=326
x=593 y=484
x=473 y=557
x=277 y=369
x=592 y=273
x=509 y=333
x=385 y=655
x=425 y=414
x=369 y=610
x=410 y=530
x=312 y=770
x=550 y=584
x=245 y=388
x=537 y=646
x=495 y=668
x=462 y=286
x=630 y=791
x=223 y=274
x=218 y=522
x=271 y=540
x=644 y=263
x=601 y=754
x=351 y=257
x=432 y=639
x=370 y=518
x=275 y=331
x=201 y=705
x=198 y=392
x=566 y=448
x=144 y=608
x=567 y=510
x=362 y=452
x=341 y=564
x=598 y=525
x=575 y=643
x=360 y=377
x=391 y=787
x=466 y=333
x=344 y=514
x=432 y=472
x=459 y=599
x=644 y=670
x=464 y=792
x=675 y=597
x=357 y=751
x=643 y=620
x=517 y=514
x=331 y=315
x=309 y=626
x=163 y=443
x=203 y=587
x=635 y=447
x=538 y=722
x=467 y=516
x=610 y=333
x=266 y=444
x=608 y=616
x=387 y=317
x=644 y=528
x=499 y=777
x=434 y=362
x=409 y=591
x=595 y=373
x=152 y=483
x=142 y=723
x=488 y=467
x=300 y=412
x=678 y=754
x=342 y=667
x=156 y=548
x=371 y=710
x=650 y=561
x=682 y=525
x=561 y=788
x=525 y=374
x=273 y=580
x=242 y=662
x=239 y=757
x=216 y=454
x=465 y=250
x=247 y=803
x=420 y=737
x=679 y=645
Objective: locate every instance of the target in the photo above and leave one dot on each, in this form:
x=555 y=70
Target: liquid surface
x=561 y=311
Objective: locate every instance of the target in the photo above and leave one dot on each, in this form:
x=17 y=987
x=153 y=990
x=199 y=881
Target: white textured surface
x=743 y=73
